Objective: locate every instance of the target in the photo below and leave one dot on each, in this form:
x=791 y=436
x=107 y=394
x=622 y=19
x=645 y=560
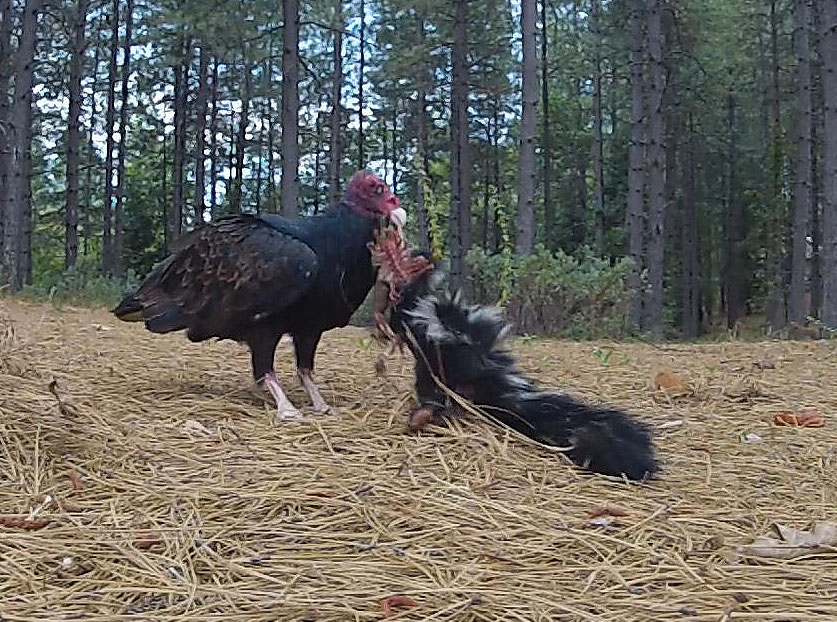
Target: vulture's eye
x=379 y=190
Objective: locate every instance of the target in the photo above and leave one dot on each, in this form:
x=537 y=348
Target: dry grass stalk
x=170 y=495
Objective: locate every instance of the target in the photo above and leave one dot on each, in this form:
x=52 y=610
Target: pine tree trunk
x=422 y=178
x=118 y=259
x=525 y=220
x=735 y=269
x=690 y=240
x=335 y=148
x=797 y=308
x=74 y=137
x=816 y=164
x=361 y=138
x=776 y=304
x=17 y=224
x=318 y=124
x=181 y=88
x=241 y=145
x=213 y=144
x=828 y=51
x=290 y=108
x=548 y=207
x=653 y=305
x=5 y=110
x=259 y=145
x=395 y=145
x=200 y=134
x=91 y=158
x=498 y=190
x=459 y=222
x=636 y=170
x=110 y=117
x=598 y=139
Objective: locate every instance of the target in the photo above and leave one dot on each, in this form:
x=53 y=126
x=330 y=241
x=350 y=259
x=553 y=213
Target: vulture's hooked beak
x=398 y=217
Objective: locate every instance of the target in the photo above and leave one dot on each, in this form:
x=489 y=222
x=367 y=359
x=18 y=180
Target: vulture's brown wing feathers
x=226 y=274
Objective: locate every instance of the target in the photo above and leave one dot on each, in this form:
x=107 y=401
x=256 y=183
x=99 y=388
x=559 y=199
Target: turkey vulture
x=461 y=346
x=254 y=279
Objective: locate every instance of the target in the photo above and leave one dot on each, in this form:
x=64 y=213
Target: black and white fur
x=462 y=346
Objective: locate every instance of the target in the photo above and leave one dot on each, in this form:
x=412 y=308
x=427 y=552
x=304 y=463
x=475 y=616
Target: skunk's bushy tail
x=602 y=440
x=463 y=346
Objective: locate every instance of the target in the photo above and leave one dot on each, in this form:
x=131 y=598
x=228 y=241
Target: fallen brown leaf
x=671 y=384
x=12 y=522
x=807 y=419
x=393 y=602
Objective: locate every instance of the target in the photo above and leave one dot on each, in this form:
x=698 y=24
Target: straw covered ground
x=141 y=476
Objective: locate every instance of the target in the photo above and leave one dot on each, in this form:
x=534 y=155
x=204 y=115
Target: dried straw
x=168 y=493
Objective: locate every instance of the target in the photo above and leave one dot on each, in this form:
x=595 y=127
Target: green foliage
x=83 y=284
x=555 y=294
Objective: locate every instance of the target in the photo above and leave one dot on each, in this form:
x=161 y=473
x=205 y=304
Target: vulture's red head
x=369 y=196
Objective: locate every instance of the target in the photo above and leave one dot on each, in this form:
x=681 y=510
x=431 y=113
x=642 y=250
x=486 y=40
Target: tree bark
x=213 y=144
x=361 y=155
x=318 y=126
x=5 y=109
x=598 y=139
x=816 y=164
x=200 y=134
x=241 y=144
x=636 y=170
x=91 y=157
x=525 y=221
x=422 y=157
x=797 y=308
x=734 y=278
x=653 y=305
x=548 y=207
x=335 y=148
x=290 y=108
x=459 y=222
x=690 y=261
x=828 y=50
x=17 y=225
x=110 y=140
x=776 y=303
x=181 y=89
x=259 y=146
x=118 y=259
x=74 y=137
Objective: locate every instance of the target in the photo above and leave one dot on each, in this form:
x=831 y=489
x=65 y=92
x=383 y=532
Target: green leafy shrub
x=555 y=294
x=82 y=284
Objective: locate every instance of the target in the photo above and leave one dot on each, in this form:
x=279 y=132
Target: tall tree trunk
x=318 y=125
x=797 y=308
x=241 y=144
x=74 y=137
x=422 y=157
x=164 y=194
x=653 y=305
x=395 y=152
x=525 y=220
x=548 y=207
x=200 y=134
x=734 y=278
x=213 y=144
x=118 y=259
x=5 y=109
x=181 y=89
x=636 y=170
x=598 y=139
x=107 y=209
x=495 y=169
x=828 y=51
x=91 y=157
x=776 y=305
x=335 y=148
x=459 y=222
x=361 y=155
x=290 y=108
x=689 y=242
x=486 y=196
x=816 y=163
x=259 y=145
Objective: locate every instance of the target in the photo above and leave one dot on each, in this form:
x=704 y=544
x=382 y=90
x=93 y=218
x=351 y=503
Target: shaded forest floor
x=159 y=487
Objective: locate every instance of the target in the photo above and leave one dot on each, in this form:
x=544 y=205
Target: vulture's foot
x=285 y=410
x=307 y=380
